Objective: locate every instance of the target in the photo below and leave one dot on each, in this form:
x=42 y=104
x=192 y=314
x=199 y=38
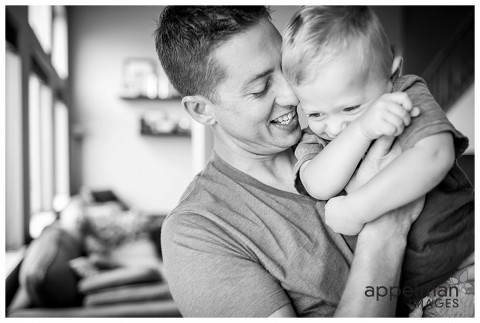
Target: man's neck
x=275 y=170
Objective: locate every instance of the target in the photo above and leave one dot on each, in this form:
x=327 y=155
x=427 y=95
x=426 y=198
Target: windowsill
x=12 y=259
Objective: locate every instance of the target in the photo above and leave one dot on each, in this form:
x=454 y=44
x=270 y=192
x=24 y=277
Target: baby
x=341 y=66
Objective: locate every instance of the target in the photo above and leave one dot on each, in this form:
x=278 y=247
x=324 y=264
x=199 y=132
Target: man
x=242 y=241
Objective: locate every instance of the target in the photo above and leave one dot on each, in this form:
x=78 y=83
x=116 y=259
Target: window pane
x=46 y=137
x=40 y=19
x=13 y=152
x=62 y=182
x=60 y=41
x=34 y=143
x=41 y=145
x=41 y=155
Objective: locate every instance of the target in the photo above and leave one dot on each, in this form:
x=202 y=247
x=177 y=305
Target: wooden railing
x=452 y=70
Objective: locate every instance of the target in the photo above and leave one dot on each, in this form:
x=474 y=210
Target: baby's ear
x=396 y=67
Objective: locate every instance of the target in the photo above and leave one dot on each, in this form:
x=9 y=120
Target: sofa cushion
x=45 y=273
x=129 y=293
x=118 y=277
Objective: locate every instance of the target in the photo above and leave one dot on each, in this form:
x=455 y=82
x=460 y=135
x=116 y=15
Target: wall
x=150 y=173
x=461 y=115
x=427 y=30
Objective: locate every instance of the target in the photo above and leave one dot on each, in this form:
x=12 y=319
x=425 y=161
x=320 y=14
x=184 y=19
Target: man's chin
x=291 y=138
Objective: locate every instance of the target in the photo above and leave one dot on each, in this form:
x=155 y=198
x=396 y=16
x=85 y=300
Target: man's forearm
x=372 y=286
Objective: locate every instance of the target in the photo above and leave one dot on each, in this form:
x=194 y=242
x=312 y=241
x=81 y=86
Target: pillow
x=118 y=277
x=83 y=267
x=107 y=196
x=45 y=273
x=129 y=293
x=106 y=226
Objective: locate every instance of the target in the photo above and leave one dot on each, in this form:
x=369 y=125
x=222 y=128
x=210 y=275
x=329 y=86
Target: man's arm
x=372 y=287
x=376 y=266
x=411 y=175
x=379 y=252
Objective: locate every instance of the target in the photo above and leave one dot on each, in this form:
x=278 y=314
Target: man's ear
x=396 y=67
x=200 y=108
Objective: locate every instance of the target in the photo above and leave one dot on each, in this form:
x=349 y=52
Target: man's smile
x=286 y=118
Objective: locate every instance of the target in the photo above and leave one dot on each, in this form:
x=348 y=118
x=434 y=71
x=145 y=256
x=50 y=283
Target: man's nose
x=285 y=94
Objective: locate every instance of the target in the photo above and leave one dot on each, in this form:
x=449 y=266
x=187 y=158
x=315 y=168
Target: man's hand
x=388 y=115
x=380 y=155
x=397 y=222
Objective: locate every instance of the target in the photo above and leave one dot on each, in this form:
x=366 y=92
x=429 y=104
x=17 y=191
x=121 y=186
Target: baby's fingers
x=415 y=112
x=401 y=115
x=402 y=99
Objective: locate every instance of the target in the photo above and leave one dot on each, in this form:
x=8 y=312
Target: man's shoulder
x=204 y=181
x=408 y=82
x=200 y=197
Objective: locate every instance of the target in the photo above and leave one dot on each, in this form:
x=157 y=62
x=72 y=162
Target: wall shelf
x=144 y=98
x=147 y=133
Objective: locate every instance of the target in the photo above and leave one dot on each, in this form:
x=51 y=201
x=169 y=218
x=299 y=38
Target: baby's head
x=337 y=59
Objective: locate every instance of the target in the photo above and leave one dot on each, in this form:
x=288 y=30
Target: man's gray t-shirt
x=237 y=247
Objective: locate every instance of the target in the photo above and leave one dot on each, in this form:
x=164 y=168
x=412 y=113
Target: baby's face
x=338 y=94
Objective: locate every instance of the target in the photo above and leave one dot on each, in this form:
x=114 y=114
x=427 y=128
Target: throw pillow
x=45 y=272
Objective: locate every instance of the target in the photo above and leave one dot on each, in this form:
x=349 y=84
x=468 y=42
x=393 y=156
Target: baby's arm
x=328 y=173
x=411 y=175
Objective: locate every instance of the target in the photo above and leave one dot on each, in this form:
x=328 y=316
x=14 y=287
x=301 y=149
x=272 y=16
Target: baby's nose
x=336 y=127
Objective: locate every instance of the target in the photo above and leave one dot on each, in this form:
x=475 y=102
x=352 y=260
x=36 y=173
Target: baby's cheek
x=317 y=127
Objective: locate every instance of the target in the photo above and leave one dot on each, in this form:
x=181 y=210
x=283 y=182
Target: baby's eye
x=316 y=116
x=351 y=109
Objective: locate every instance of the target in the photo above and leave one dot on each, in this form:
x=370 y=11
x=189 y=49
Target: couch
x=74 y=269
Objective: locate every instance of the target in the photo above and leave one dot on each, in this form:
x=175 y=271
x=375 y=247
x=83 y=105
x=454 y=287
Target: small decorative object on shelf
x=158 y=123
x=142 y=81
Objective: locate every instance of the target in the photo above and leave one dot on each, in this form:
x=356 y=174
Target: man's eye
x=316 y=116
x=262 y=92
x=351 y=109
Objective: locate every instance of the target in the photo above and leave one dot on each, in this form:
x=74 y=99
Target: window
x=13 y=156
x=62 y=182
x=40 y=19
x=41 y=155
x=36 y=119
x=60 y=41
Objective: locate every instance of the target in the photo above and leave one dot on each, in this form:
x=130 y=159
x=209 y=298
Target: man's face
x=255 y=108
x=339 y=93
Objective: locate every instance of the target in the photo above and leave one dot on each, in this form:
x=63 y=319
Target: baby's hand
x=388 y=115
x=340 y=218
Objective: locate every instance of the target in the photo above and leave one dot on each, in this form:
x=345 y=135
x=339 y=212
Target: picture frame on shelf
x=139 y=78
x=144 y=79
x=160 y=123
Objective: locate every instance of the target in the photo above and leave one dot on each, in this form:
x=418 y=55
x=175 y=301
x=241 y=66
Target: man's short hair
x=186 y=37
x=316 y=34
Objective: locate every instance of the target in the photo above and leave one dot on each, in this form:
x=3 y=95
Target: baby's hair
x=316 y=34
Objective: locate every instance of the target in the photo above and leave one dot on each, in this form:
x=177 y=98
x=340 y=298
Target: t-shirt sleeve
x=432 y=119
x=210 y=276
x=308 y=147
